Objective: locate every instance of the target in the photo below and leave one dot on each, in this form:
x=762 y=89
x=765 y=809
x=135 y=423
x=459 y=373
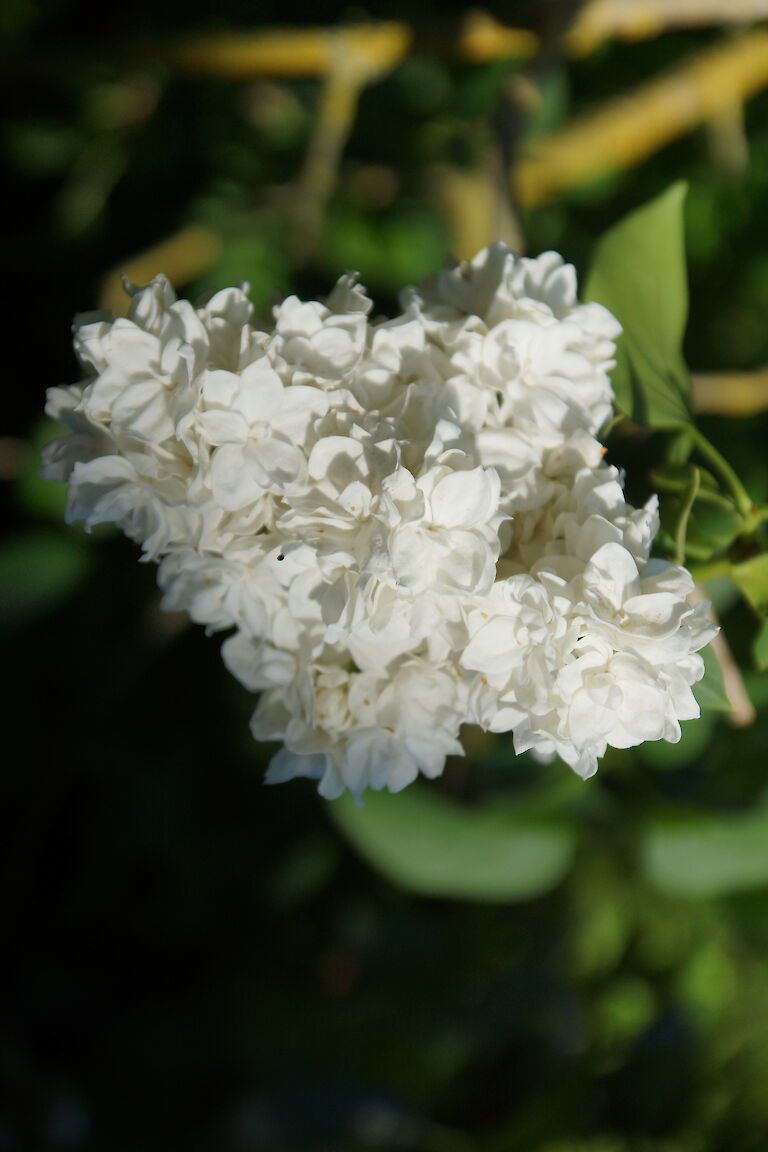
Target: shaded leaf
x=38 y=569
x=426 y=843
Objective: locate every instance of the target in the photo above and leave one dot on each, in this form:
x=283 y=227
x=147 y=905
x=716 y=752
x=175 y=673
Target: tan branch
x=289 y=52
x=482 y=38
x=731 y=393
x=627 y=130
x=292 y=52
x=643 y=19
x=183 y=256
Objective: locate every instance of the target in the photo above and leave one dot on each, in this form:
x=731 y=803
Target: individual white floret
x=314 y=345
x=358 y=730
x=442 y=529
x=646 y=613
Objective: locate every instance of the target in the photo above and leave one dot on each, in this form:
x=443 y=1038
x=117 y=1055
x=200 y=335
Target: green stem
x=685 y=512
x=664 y=484
x=757 y=517
x=720 y=464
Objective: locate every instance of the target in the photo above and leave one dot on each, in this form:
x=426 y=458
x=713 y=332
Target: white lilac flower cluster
x=407 y=525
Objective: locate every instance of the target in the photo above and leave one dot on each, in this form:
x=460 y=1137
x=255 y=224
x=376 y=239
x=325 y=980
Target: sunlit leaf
x=752 y=579
x=639 y=274
x=760 y=647
x=707 y=855
x=426 y=843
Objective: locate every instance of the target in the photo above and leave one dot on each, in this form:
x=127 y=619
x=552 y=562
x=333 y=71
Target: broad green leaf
x=713 y=524
x=639 y=274
x=752 y=579
x=38 y=569
x=760 y=647
x=428 y=844
x=707 y=855
x=710 y=691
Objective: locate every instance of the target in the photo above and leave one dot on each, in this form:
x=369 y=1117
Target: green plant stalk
x=757 y=517
x=611 y=423
x=741 y=497
x=704 y=495
x=685 y=512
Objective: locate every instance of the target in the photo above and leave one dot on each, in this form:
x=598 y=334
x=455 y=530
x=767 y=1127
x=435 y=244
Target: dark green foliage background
x=194 y=962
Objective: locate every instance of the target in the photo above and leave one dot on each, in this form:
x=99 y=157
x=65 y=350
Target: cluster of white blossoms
x=405 y=525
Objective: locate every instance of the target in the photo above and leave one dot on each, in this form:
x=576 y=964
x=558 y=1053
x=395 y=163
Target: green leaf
x=428 y=844
x=639 y=274
x=707 y=855
x=752 y=579
x=710 y=691
x=713 y=524
x=38 y=569
x=760 y=647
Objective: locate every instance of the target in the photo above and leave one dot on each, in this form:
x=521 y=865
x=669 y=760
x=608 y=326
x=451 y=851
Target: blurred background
x=192 y=960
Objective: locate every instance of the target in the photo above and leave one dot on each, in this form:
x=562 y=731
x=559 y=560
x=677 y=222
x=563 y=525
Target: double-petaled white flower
x=405 y=525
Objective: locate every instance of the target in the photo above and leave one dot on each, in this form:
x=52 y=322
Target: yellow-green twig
x=685 y=511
